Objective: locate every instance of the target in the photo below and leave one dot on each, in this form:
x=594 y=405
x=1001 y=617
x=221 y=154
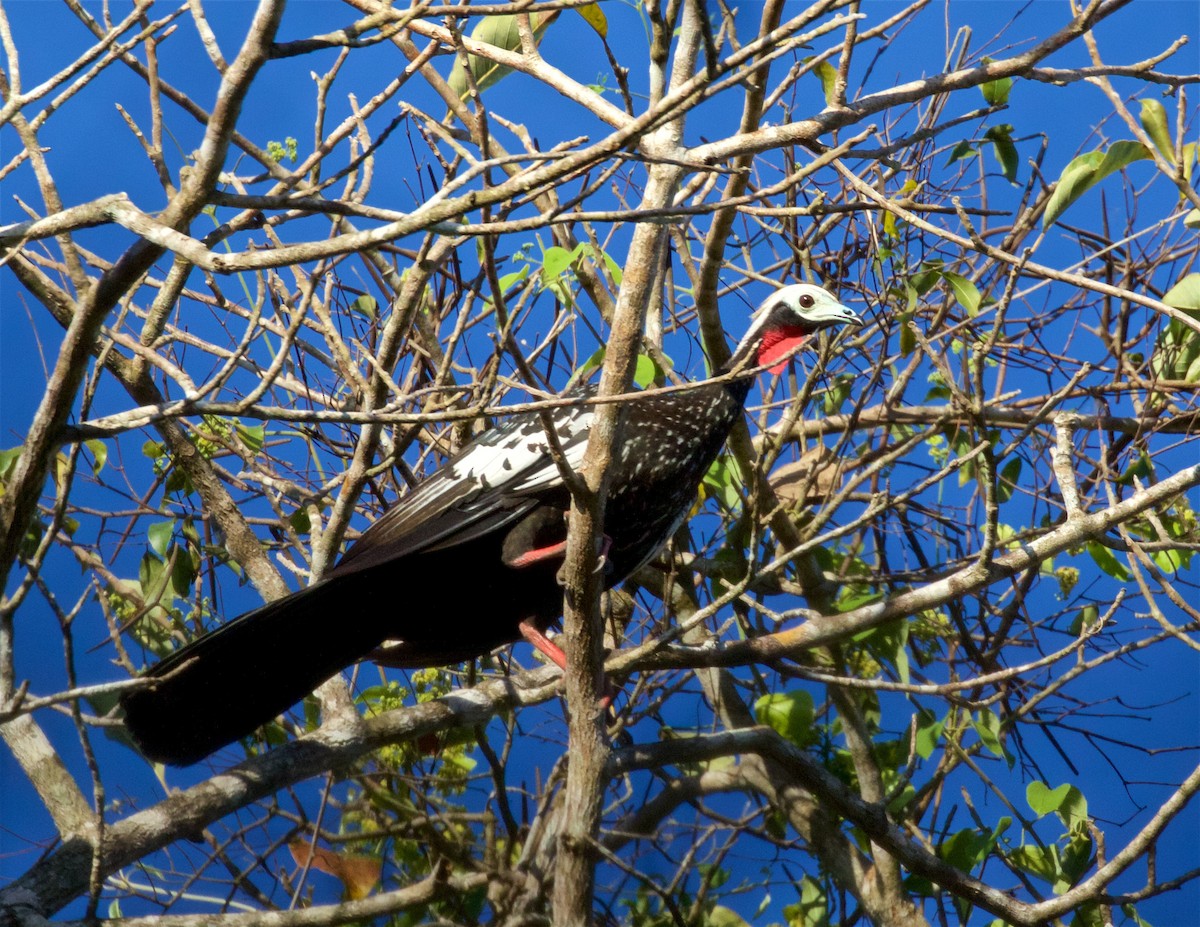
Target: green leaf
x=589 y=366
x=459 y=761
x=189 y=532
x=150 y=575
x=1043 y=799
x=252 y=436
x=1192 y=219
x=8 y=460
x=1073 y=810
x=1121 y=155
x=365 y=306
x=900 y=799
x=927 y=277
x=500 y=31
x=1087 y=914
x=929 y=732
x=721 y=916
x=987 y=726
x=614 y=269
x=515 y=277
x=966 y=849
x=963 y=149
x=160 y=534
x=723 y=483
x=837 y=394
x=890 y=641
x=1042 y=863
x=812 y=910
x=1004 y=150
x=1170 y=561
x=996 y=91
x=1075 y=180
x=1154 y=121
x=1142 y=468
x=889 y=225
x=789 y=714
x=1185 y=294
x=495 y=30
x=1129 y=911
x=1177 y=353
x=1104 y=559
x=99 y=454
x=645 y=372
x=1085 y=620
x=301 y=521
x=1010 y=473
x=965 y=292
x=827 y=74
x=555 y=260
x=183 y=572
x=1087 y=170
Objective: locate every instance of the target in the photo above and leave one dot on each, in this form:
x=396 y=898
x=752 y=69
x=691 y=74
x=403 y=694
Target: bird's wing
x=493 y=481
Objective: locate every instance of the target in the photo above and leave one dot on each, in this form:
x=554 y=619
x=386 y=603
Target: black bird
x=467 y=561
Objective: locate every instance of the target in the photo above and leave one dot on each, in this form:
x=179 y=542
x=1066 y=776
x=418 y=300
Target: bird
x=468 y=561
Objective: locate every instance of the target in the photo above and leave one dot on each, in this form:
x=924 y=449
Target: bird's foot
x=557 y=552
x=602 y=562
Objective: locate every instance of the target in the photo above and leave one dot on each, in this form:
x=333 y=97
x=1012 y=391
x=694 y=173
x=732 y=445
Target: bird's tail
x=226 y=684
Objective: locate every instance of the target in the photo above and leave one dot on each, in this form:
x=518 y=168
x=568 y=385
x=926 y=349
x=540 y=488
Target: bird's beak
x=849 y=316
x=834 y=314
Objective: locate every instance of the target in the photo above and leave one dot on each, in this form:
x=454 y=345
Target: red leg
x=544 y=644
x=556 y=552
x=555 y=653
x=537 y=555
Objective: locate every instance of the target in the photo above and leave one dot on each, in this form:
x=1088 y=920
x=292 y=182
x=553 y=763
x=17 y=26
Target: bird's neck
x=770 y=349
x=737 y=388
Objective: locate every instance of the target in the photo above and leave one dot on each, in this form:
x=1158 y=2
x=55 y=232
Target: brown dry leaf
x=820 y=465
x=357 y=872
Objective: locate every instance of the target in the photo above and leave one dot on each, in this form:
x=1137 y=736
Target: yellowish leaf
x=594 y=17
x=359 y=873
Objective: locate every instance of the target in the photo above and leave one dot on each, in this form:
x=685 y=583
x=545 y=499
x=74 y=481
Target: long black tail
x=230 y=682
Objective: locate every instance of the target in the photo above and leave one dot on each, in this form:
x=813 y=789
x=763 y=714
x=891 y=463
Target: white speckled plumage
x=467 y=560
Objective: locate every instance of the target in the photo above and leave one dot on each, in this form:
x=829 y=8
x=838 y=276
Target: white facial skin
x=800 y=307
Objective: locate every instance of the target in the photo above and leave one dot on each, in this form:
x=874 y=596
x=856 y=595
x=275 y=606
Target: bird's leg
x=537 y=555
x=533 y=541
x=538 y=537
x=555 y=653
x=539 y=640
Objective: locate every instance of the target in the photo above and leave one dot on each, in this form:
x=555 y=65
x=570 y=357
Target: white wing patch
x=516 y=457
x=512 y=459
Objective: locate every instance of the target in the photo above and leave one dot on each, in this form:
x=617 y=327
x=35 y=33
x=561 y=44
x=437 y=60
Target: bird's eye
x=806 y=301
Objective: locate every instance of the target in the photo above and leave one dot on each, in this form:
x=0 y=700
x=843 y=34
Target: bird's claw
x=602 y=567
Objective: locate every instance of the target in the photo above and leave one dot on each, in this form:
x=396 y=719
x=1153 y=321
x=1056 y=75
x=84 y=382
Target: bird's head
x=784 y=320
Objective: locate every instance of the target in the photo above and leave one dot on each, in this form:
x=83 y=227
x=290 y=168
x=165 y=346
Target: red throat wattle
x=777 y=344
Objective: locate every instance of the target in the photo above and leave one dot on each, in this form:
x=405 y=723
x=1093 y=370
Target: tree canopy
x=925 y=649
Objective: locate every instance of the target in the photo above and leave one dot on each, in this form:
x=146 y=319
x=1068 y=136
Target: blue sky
x=92 y=153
